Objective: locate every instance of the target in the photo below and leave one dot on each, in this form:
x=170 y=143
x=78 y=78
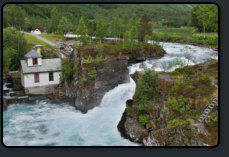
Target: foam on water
x=52 y=123
x=177 y=55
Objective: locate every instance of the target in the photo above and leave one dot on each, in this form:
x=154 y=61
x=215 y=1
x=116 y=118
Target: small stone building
x=39 y=76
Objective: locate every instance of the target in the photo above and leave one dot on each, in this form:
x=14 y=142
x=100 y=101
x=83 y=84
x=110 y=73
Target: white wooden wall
x=43 y=77
x=30 y=62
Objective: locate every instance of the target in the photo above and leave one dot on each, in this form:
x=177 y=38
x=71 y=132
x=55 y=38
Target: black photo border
x=113 y=2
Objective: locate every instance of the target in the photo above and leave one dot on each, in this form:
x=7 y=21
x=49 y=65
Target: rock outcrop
x=94 y=76
x=164 y=127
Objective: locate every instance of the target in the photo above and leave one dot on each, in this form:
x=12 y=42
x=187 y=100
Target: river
x=50 y=123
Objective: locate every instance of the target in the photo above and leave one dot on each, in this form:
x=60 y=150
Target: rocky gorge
x=94 y=73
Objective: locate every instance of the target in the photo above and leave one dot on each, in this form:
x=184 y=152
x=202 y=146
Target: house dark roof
x=33 y=54
x=48 y=65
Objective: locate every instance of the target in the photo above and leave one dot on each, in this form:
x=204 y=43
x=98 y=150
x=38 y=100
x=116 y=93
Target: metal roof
x=33 y=54
x=53 y=64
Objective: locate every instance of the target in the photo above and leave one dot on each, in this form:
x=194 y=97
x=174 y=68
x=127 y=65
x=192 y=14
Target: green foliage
x=130 y=36
x=92 y=74
x=14 y=48
x=186 y=71
x=75 y=44
x=142 y=119
x=177 y=104
x=185 y=35
x=64 y=25
x=205 y=17
x=116 y=27
x=13 y=16
x=144 y=27
x=179 y=123
x=67 y=68
x=212 y=120
x=54 y=20
x=101 y=30
x=156 y=120
x=52 y=37
x=147 y=89
x=82 y=31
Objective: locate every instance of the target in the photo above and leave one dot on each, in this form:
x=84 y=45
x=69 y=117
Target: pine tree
x=82 y=31
x=101 y=30
x=64 y=25
x=144 y=27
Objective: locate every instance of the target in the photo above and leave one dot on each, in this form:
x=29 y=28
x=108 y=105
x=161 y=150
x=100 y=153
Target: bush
x=179 y=123
x=177 y=105
x=67 y=69
x=92 y=74
x=142 y=119
x=147 y=89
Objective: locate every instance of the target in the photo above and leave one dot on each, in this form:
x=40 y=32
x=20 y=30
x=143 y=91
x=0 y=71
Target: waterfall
x=59 y=124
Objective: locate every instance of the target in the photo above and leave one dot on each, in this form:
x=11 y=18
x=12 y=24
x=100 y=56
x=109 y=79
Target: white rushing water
x=51 y=123
x=177 y=55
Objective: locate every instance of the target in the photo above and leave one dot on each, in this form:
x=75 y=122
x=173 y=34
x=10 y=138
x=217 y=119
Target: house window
x=36 y=77
x=34 y=61
x=51 y=78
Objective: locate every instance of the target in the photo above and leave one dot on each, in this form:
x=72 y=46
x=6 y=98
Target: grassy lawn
x=32 y=41
x=185 y=35
x=52 y=37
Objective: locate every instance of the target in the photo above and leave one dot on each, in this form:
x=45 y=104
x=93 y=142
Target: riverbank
x=13 y=92
x=169 y=115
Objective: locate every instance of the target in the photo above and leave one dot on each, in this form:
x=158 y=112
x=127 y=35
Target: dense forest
x=44 y=16
x=129 y=21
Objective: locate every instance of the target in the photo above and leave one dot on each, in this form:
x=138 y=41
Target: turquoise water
x=59 y=124
x=48 y=123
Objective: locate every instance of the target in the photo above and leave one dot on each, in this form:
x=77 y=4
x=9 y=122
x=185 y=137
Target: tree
x=82 y=31
x=91 y=27
x=14 y=48
x=13 y=16
x=116 y=27
x=144 y=27
x=205 y=17
x=130 y=38
x=131 y=35
x=101 y=30
x=147 y=89
x=64 y=25
x=55 y=17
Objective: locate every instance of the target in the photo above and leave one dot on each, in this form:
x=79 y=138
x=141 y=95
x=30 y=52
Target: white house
x=39 y=75
x=36 y=31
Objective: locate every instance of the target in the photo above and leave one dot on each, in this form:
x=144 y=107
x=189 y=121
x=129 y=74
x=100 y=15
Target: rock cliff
x=95 y=73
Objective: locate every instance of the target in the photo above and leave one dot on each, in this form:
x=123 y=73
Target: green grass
x=32 y=41
x=185 y=35
x=52 y=37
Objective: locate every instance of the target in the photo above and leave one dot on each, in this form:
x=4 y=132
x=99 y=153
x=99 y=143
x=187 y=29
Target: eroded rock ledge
x=95 y=74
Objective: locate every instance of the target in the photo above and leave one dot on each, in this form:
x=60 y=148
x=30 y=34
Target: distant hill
x=173 y=14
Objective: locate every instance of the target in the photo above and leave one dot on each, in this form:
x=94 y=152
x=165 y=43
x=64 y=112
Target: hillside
x=38 y=15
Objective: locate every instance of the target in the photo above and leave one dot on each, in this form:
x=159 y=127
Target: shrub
x=147 y=89
x=92 y=74
x=142 y=119
x=179 y=123
x=177 y=104
x=67 y=69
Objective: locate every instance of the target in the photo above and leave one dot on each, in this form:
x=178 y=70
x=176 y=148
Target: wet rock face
x=108 y=76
